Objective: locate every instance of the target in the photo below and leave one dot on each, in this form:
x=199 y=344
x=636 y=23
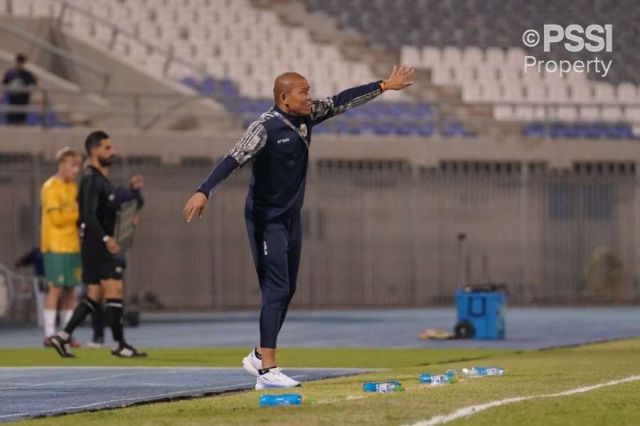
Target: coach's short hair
x=66 y=152
x=94 y=139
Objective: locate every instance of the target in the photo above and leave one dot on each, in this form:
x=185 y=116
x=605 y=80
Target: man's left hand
x=136 y=182
x=398 y=79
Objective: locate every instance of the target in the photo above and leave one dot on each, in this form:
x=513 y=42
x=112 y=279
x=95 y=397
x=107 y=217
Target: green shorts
x=63 y=269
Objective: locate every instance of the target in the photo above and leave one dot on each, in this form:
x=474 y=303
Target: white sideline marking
x=473 y=409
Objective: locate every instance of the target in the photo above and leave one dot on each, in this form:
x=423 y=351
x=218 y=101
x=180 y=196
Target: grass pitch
x=341 y=400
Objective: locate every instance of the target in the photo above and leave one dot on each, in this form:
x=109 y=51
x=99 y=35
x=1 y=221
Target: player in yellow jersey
x=59 y=240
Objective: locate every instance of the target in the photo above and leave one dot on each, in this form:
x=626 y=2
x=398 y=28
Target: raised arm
x=355 y=96
x=251 y=143
x=133 y=192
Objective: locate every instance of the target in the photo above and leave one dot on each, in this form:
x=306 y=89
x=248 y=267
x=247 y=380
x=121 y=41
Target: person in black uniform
x=97 y=316
x=98 y=202
x=278 y=143
x=18 y=83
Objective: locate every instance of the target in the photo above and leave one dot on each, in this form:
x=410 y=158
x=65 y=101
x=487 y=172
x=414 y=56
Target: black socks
x=262 y=371
x=97 y=323
x=84 y=308
x=114 y=317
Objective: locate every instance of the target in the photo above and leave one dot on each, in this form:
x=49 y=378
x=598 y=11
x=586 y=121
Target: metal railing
x=17 y=297
x=383 y=233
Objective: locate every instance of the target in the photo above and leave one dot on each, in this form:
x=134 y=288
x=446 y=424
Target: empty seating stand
x=477 y=46
x=417 y=119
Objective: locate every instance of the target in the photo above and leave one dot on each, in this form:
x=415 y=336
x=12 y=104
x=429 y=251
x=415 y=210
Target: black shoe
x=127 y=351
x=59 y=344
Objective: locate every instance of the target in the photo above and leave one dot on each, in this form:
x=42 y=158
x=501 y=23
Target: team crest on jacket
x=303 y=129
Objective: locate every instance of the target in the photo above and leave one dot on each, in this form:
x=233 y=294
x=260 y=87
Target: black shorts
x=98 y=264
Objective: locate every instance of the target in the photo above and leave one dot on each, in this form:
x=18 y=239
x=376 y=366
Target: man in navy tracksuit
x=278 y=143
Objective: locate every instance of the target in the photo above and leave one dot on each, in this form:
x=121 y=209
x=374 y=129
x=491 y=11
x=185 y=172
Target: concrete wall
x=171 y=147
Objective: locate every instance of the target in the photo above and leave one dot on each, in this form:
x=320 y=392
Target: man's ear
x=283 y=98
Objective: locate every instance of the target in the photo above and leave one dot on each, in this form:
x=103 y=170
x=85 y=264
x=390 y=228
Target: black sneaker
x=59 y=344
x=127 y=351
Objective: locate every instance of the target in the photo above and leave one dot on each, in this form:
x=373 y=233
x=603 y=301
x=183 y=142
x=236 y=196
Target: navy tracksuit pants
x=276 y=248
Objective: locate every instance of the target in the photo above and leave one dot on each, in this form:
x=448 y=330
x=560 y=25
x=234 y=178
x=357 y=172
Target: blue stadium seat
x=620 y=131
x=598 y=130
x=228 y=88
x=191 y=82
x=208 y=86
x=534 y=130
x=426 y=130
x=453 y=130
x=381 y=118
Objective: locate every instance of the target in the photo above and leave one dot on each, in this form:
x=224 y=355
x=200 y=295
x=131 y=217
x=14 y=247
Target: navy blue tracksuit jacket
x=276 y=194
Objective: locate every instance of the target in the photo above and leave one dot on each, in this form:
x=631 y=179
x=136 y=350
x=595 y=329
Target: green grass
x=616 y=405
x=341 y=401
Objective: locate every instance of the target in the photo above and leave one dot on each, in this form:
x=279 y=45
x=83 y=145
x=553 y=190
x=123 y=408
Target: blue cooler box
x=481 y=313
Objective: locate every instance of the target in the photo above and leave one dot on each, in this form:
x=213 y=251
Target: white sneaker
x=274 y=378
x=252 y=363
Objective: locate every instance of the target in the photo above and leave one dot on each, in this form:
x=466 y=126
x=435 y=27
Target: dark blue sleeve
x=8 y=76
x=124 y=195
x=140 y=200
x=38 y=265
x=32 y=78
x=343 y=101
x=219 y=173
x=251 y=143
x=29 y=258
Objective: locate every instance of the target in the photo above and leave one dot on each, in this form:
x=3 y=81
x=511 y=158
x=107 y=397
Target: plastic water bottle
x=283 y=399
x=447 y=378
x=382 y=387
x=453 y=374
x=483 y=371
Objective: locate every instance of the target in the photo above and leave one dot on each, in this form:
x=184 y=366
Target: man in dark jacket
x=18 y=83
x=278 y=143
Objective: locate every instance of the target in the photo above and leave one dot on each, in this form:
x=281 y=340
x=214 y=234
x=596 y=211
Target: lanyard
x=286 y=121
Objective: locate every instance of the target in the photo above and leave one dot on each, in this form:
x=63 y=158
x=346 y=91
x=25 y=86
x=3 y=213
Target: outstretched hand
x=398 y=78
x=136 y=182
x=194 y=206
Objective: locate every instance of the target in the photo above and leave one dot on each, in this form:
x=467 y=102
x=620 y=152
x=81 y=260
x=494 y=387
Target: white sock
x=66 y=316
x=49 y=322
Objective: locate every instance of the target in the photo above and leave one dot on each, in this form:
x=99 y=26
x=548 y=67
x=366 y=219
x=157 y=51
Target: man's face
x=298 y=99
x=105 y=153
x=69 y=168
